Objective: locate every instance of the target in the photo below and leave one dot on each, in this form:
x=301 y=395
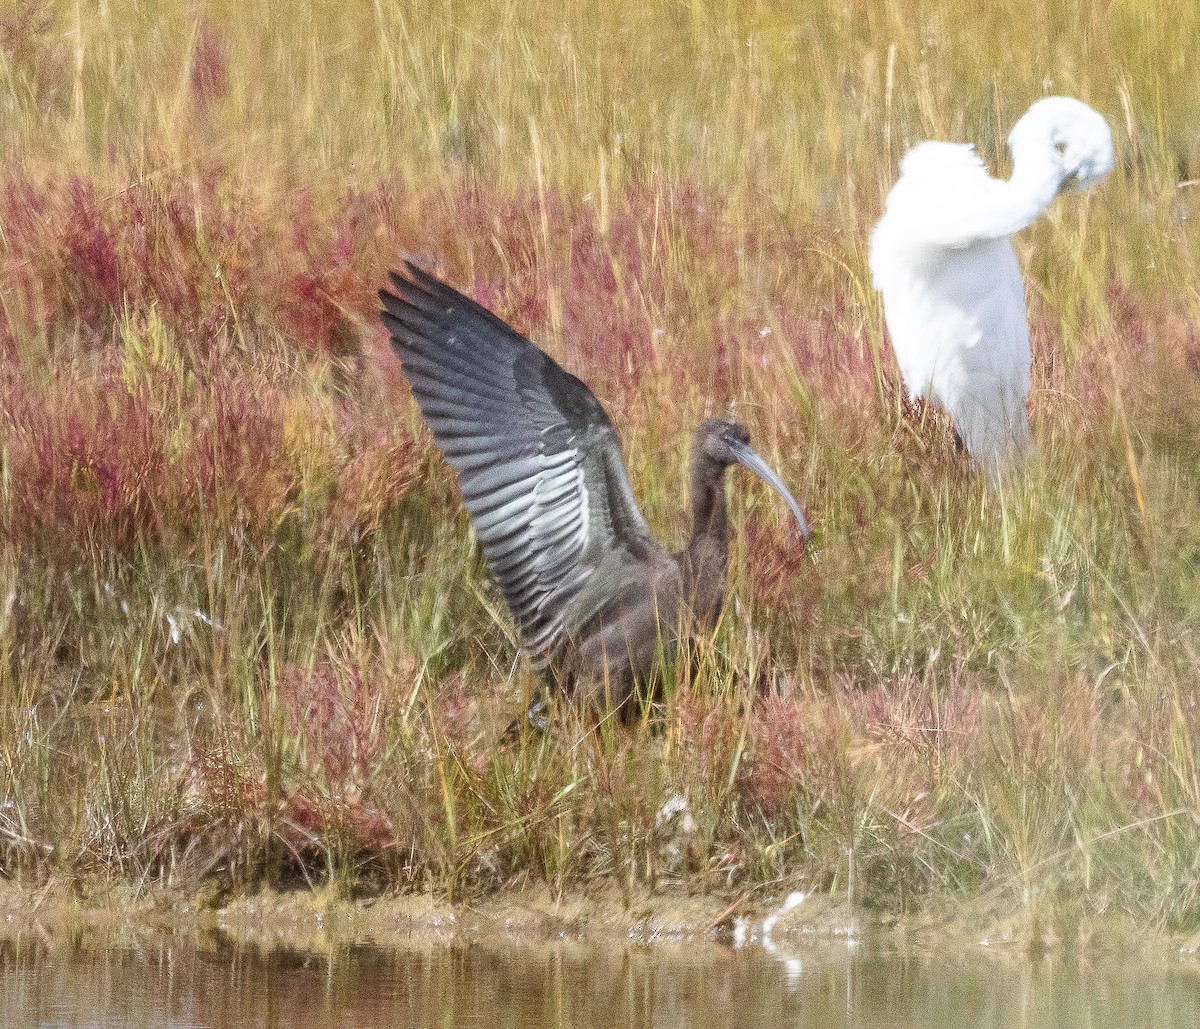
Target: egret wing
x=538 y=460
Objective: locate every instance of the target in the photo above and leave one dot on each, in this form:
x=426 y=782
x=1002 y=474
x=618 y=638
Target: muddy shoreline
x=58 y=914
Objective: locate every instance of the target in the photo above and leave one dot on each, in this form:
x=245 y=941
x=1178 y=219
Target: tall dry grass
x=243 y=635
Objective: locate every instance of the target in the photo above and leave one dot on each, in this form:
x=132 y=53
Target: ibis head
x=723 y=443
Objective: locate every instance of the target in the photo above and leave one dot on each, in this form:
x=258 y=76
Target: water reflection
x=180 y=984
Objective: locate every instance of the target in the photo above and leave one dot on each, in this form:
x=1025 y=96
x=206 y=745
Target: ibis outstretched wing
x=538 y=460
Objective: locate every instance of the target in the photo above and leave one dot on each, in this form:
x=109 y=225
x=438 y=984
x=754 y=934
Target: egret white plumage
x=953 y=295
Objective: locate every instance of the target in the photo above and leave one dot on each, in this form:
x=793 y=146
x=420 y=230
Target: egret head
x=1074 y=139
x=723 y=443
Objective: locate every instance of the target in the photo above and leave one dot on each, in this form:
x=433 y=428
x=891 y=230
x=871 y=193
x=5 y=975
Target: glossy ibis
x=595 y=598
x=953 y=295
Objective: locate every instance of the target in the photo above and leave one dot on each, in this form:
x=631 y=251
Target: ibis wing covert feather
x=538 y=461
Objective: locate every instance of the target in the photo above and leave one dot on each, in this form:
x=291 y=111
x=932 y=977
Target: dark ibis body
x=596 y=600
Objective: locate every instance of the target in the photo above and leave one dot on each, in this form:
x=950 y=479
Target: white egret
x=953 y=295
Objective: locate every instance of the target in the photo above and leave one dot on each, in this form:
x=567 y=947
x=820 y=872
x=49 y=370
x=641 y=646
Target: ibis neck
x=708 y=546
x=710 y=516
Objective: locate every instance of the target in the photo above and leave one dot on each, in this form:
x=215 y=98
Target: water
x=179 y=983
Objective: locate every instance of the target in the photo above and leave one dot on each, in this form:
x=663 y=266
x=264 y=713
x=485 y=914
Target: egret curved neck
x=1036 y=180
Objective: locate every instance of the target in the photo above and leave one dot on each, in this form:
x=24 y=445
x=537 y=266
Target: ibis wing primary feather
x=538 y=461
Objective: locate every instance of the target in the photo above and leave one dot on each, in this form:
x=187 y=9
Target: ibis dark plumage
x=596 y=600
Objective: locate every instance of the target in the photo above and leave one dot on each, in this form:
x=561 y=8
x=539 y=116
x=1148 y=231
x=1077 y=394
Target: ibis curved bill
x=596 y=600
